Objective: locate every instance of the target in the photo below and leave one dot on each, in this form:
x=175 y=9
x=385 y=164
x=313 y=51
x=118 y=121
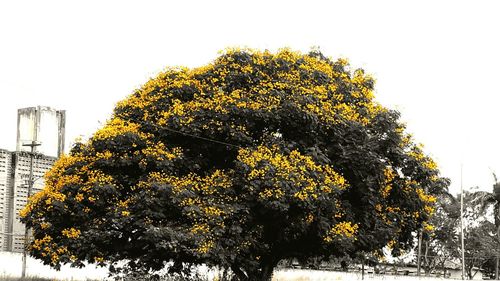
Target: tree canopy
x=251 y=159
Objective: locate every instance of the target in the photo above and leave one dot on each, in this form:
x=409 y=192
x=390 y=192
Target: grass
x=31 y=278
x=4 y=278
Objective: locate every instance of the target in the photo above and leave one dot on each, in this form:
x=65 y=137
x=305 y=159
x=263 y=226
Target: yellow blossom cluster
x=159 y=152
x=427 y=162
x=200 y=228
x=54 y=181
x=271 y=193
x=44 y=225
x=345 y=229
x=48 y=248
x=430 y=164
x=428 y=227
x=208 y=86
x=206 y=185
x=309 y=218
x=205 y=246
x=295 y=168
x=219 y=102
x=71 y=232
x=146 y=98
x=389 y=176
x=428 y=200
x=39 y=243
x=116 y=127
x=84 y=179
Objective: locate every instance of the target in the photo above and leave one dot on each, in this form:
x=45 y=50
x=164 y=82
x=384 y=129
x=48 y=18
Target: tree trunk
x=239 y=273
x=427 y=266
x=266 y=273
x=267 y=269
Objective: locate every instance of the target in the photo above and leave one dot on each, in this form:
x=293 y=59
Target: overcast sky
x=437 y=62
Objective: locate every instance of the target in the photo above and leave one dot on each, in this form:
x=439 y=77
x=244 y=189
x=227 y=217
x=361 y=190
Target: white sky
x=435 y=61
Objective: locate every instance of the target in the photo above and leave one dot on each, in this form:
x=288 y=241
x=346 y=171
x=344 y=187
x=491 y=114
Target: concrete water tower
x=43 y=125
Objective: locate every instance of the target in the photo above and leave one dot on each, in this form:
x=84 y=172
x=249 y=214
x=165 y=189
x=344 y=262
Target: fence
x=324 y=275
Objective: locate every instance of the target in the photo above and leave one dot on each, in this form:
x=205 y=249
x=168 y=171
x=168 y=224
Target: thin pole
x=462 y=221
x=363 y=267
x=30 y=186
x=419 y=254
x=497 y=260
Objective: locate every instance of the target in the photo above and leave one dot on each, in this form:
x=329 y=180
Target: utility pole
x=33 y=144
x=462 y=221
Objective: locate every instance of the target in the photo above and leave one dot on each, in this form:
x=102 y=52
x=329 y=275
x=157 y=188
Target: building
x=14 y=191
x=44 y=126
x=5 y=198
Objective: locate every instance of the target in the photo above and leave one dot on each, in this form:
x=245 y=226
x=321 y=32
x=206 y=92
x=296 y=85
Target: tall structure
x=6 y=197
x=44 y=125
x=19 y=189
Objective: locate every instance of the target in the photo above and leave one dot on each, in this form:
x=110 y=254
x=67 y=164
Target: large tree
x=482 y=243
x=254 y=158
x=441 y=241
x=440 y=236
x=492 y=199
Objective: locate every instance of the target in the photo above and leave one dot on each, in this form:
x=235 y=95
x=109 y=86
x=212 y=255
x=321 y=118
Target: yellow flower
x=71 y=232
x=344 y=229
x=295 y=168
x=428 y=227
